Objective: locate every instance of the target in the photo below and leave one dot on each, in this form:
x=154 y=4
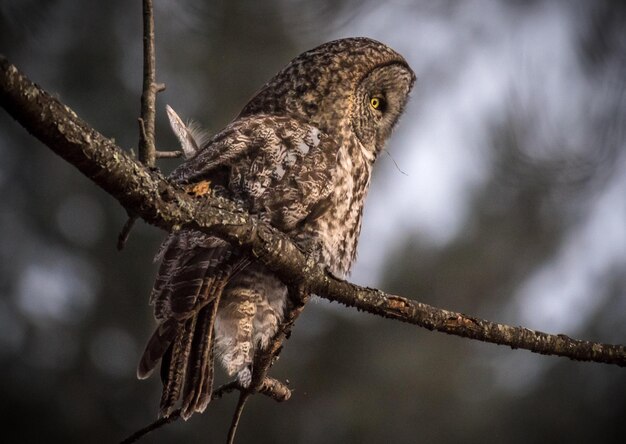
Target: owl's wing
x=222 y=149
x=279 y=167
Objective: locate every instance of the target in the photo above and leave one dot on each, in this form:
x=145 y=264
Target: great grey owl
x=299 y=156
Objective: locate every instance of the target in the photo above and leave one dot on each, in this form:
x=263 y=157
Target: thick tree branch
x=148 y=194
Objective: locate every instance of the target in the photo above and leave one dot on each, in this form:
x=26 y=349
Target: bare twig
x=169 y=154
x=122 y=238
x=271 y=387
x=152 y=427
x=159 y=202
x=175 y=415
x=224 y=389
x=232 y=430
x=147 y=147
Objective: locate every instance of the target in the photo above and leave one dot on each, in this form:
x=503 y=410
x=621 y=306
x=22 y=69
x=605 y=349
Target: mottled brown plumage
x=299 y=156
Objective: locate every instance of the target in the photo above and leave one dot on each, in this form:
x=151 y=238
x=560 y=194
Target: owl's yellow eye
x=377 y=103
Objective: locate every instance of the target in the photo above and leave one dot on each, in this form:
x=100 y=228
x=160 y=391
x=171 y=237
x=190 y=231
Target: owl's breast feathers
x=293 y=176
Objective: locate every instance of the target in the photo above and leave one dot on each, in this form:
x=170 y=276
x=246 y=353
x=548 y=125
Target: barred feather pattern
x=299 y=157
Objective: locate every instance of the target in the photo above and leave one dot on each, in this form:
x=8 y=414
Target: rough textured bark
x=148 y=194
x=147 y=147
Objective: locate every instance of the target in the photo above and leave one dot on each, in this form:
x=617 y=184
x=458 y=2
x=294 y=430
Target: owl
x=299 y=157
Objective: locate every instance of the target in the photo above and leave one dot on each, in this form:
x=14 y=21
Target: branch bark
x=169 y=154
x=151 y=196
x=147 y=146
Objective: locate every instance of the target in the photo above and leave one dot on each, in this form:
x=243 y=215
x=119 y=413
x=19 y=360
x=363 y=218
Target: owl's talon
x=332 y=274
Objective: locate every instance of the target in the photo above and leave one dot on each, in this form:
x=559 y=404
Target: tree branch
x=159 y=202
x=136 y=436
x=169 y=154
x=147 y=146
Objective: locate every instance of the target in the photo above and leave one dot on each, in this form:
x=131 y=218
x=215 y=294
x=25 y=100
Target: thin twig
x=175 y=415
x=224 y=389
x=143 y=137
x=123 y=236
x=271 y=387
x=147 y=147
x=232 y=430
x=152 y=427
x=168 y=154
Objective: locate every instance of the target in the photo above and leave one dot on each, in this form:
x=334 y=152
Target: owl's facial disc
x=380 y=100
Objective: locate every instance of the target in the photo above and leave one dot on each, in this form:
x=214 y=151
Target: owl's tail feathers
x=173 y=365
x=199 y=376
x=157 y=346
x=194 y=271
x=185 y=349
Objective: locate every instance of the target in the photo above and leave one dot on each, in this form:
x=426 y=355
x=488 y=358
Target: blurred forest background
x=508 y=202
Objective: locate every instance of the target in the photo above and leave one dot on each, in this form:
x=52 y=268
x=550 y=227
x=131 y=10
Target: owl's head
x=347 y=88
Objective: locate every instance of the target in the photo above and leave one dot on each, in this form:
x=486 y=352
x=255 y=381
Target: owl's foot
x=310 y=247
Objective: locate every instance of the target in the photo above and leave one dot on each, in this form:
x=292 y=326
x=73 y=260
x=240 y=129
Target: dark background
x=508 y=202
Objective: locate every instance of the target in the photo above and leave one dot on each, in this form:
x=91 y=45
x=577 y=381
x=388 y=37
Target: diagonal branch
x=136 y=436
x=148 y=194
